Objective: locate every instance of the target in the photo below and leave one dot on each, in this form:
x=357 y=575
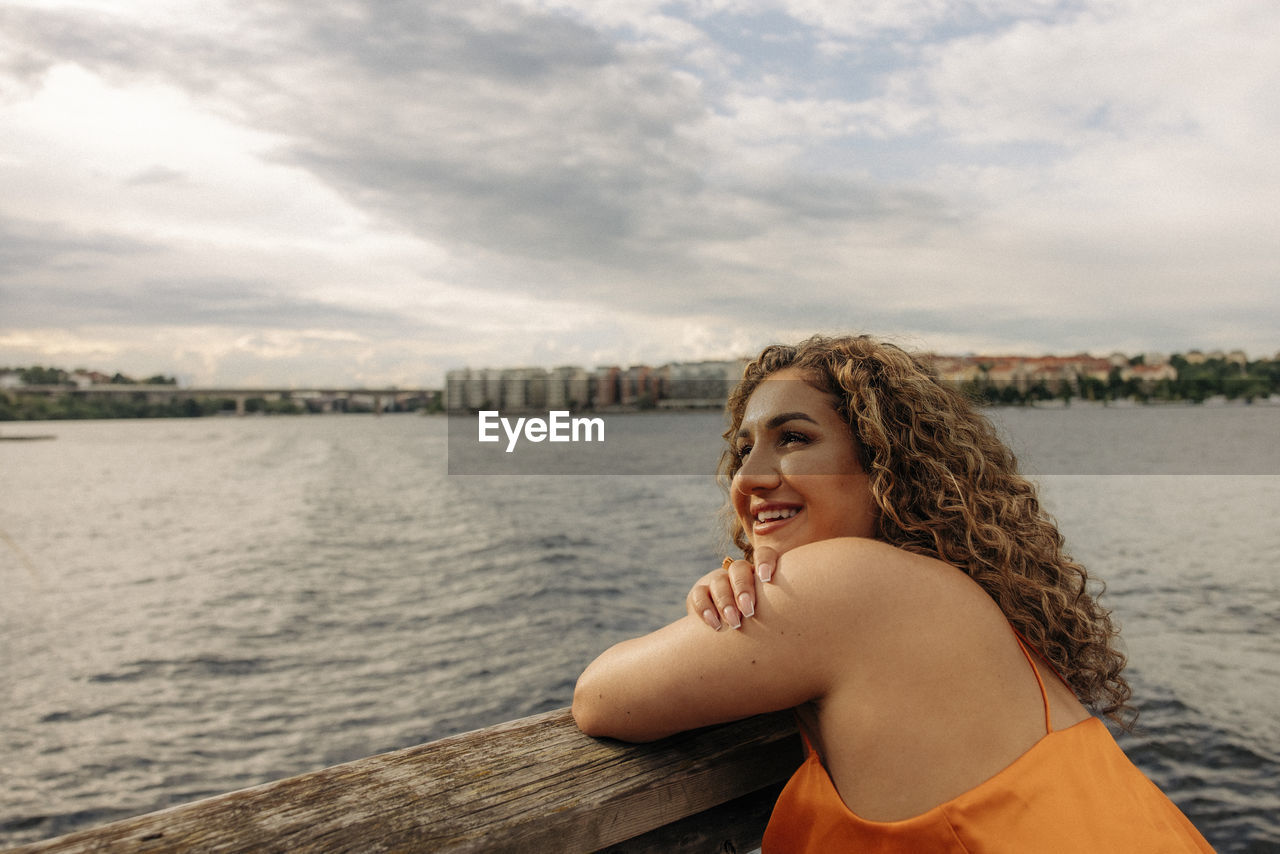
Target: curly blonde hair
x=948 y=487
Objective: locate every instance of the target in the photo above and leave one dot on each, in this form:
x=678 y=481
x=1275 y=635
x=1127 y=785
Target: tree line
x=15 y=406
x=1196 y=382
x=39 y=375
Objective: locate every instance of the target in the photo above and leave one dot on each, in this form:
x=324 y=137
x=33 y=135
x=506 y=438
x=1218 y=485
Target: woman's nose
x=758 y=472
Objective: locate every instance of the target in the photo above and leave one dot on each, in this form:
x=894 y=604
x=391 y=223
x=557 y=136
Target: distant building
x=462 y=390
x=638 y=386
x=1150 y=374
x=508 y=389
x=698 y=384
x=568 y=387
x=604 y=386
x=956 y=369
x=490 y=388
x=1006 y=371
x=524 y=389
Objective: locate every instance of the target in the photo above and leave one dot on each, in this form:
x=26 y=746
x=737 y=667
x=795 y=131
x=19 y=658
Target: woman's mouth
x=771 y=518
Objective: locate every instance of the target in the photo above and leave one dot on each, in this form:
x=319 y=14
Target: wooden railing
x=531 y=785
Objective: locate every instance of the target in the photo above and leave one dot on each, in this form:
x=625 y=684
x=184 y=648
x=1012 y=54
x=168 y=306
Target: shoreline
x=1216 y=402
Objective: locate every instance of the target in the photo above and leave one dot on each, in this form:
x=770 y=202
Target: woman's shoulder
x=866 y=563
x=850 y=548
x=880 y=581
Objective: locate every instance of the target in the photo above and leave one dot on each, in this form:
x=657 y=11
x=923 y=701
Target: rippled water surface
x=195 y=606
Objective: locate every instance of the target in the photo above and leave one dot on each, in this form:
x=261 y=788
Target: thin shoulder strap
x=1044 y=695
x=809 y=749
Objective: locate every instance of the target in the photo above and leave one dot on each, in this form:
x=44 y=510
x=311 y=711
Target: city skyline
x=83 y=375
x=1195 y=376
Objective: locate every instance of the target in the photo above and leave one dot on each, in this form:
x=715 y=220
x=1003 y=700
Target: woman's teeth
x=774 y=515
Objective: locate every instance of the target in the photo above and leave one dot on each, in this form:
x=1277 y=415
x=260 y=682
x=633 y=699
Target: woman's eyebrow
x=778 y=420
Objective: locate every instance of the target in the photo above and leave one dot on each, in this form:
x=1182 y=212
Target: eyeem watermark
x=558 y=426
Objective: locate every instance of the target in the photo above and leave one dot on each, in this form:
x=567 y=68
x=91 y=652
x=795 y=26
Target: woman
x=941 y=650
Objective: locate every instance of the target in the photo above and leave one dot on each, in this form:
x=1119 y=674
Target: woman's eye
x=741 y=451
x=792 y=438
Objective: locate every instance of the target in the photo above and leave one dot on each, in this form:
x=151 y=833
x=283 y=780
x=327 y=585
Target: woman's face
x=799 y=479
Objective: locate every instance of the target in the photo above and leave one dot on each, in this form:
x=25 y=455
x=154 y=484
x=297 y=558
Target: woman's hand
x=727 y=596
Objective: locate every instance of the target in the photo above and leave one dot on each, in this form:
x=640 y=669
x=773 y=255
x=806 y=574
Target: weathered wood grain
x=532 y=785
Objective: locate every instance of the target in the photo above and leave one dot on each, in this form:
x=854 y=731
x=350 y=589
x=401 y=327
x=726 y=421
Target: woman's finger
x=766 y=562
x=698 y=602
x=722 y=596
x=699 y=605
x=742 y=581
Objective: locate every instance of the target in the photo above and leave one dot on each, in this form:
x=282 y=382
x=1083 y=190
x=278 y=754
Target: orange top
x=1074 y=790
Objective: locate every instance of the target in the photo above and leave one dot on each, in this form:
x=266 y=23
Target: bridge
x=315 y=398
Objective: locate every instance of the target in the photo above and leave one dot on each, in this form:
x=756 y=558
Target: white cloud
x=150 y=161
x=557 y=180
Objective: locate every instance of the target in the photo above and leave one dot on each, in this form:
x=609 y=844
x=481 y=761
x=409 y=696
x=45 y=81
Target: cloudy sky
x=375 y=191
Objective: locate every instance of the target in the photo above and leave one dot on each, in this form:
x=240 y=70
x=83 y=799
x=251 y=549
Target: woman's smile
x=768 y=517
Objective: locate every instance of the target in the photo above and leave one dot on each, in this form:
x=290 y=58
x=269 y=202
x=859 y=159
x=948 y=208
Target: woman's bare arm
x=795 y=649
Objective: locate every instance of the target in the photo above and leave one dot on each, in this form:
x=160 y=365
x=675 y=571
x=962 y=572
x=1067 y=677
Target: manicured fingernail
x=748 y=607
x=765 y=570
x=731 y=617
x=709 y=616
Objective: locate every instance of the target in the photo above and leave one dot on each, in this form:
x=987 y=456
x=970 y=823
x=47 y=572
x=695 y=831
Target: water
x=191 y=607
